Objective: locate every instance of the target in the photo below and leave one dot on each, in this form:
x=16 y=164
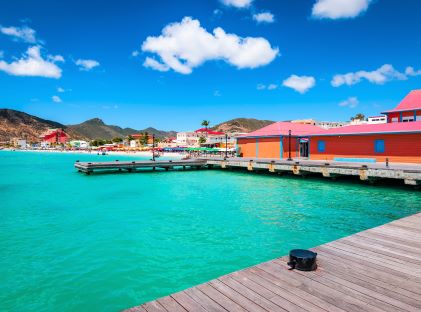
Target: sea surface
x=105 y=242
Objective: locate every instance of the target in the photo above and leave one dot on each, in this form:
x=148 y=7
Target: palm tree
x=205 y=123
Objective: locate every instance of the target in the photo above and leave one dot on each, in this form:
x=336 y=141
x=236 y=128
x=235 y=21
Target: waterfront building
x=377 y=119
x=323 y=124
x=79 y=144
x=192 y=138
x=273 y=141
x=397 y=141
x=54 y=136
x=408 y=110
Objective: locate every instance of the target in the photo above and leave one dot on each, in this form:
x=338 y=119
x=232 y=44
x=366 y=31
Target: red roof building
x=409 y=109
x=57 y=136
x=399 y=140
x=207 y=131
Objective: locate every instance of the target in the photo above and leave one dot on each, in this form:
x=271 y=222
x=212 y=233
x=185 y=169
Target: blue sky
x=326 y=59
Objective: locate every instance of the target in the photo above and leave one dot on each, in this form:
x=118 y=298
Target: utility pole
x=153 y=147
x=226 y=145
x=289 y=145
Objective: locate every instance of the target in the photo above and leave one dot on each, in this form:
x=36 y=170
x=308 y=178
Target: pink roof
x=209 y=131
x=395 y=127
x=282 y=128
x=411 y=102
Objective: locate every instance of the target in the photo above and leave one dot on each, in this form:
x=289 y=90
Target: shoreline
x=111 y=153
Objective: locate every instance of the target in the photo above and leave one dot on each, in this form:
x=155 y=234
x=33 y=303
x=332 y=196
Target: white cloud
x=154 y=64
x=241 y=4
x=269 y=87
x=410 y=71
x=186 y=45
x=264 y=17
x=135 y=53
x=60 y=90
x=56 y=99
x=300 y=84
x=350 y=102
x=55 y=58
x=86 y=65
x=335 y=9
x=379 y=76
x=24 y=33
x=32 y=64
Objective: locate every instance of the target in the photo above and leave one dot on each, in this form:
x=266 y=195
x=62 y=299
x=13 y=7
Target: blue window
x=379 y=146
x=321 y=146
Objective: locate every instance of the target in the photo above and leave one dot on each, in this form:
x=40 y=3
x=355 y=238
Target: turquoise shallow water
x=72 y=242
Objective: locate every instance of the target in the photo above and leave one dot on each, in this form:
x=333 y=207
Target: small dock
x=410 y=174
x=132 y=166
x=375 y=270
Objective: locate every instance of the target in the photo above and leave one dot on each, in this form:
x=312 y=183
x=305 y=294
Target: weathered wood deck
x=88 y=167
x=410 y=174
x=375 y=270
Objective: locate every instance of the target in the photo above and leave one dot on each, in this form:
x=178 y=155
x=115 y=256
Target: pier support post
x=412 y=182
x=271 y=166
x=250 y=165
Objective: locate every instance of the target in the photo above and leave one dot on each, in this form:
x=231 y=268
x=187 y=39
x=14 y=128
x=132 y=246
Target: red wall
x=398 y=147
x=404 y=114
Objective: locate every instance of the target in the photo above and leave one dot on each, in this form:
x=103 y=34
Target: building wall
x=247 y=147
x=267 y=147
x=397 y=147
x=397 y=115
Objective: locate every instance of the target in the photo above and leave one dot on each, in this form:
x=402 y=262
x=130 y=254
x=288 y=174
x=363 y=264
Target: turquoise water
x=72 y=242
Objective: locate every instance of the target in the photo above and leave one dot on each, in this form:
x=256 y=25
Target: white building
x=377 y=120
x=188 y=138
x=323 y=124
x=79 y=144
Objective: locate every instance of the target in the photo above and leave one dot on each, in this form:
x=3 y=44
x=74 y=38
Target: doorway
x=304 y=148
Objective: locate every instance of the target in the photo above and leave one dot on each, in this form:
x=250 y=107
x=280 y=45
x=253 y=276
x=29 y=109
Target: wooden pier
x=410 y=174
x=375 y=270
x=131 y=166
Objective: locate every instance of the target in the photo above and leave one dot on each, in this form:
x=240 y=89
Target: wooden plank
x=374 y=276
x=219 y=298
x=380 y=272
x=258 y=295
x=369 y=252
x=315 y=288
x=204 y=300
x=347 y=288
x=367 y=245
x=187 y=302
x=394 y=295
x=410 y=273
x=390 y=239
x=239 y=298
x=285 y=285
x=153 y=306
x=287 y=305
x=170 y=304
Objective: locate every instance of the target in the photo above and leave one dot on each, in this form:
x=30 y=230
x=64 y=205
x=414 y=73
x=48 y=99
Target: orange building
x=273 y=141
